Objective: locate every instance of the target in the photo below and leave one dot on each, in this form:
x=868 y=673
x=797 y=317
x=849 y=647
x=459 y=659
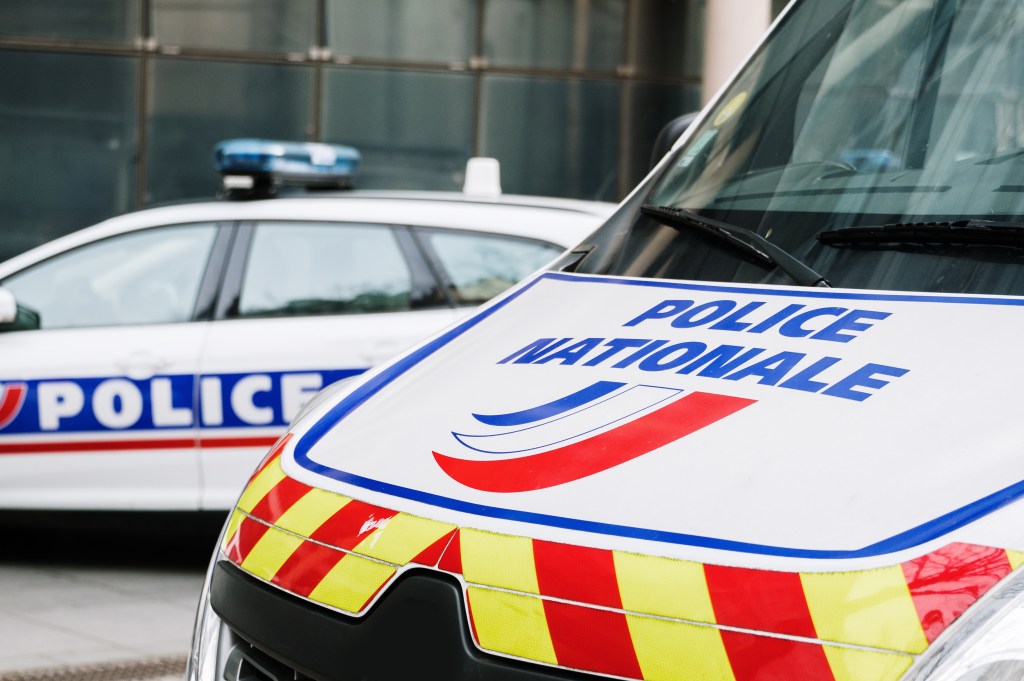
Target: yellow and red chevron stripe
x=611 y=612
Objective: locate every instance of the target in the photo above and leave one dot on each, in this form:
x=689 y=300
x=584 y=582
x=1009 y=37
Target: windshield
x=856 y=113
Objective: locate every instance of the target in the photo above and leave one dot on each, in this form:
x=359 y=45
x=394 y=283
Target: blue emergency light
x=255 y=168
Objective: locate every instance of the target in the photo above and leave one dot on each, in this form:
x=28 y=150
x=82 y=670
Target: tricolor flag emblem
x=12 y=399
x=580 y=434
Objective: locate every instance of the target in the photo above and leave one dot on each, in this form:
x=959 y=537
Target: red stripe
x=761 y=658
x=590 y=639
x=10 y=405
x=576 y=573
x=595 y=454
x=69 y=447
x=351 y=524
x=274 y=453
x=306 y=567
x=451 y=559
x=226 y=442
x=432 y=554
x=249 y=532
x=943 y=584
x=279 y=499
x=761 y=600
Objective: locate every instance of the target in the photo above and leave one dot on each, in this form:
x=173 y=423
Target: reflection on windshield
x=861 y=112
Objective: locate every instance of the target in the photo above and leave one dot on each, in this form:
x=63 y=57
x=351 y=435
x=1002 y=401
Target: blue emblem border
x=908 y=539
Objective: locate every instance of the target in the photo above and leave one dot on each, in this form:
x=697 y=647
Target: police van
x=148 y=362
x=762 y=424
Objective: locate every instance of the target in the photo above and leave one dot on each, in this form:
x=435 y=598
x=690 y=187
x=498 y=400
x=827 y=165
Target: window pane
x=652 y=107
x=67 y=143
x=313 y=269
x=482 y=266
x=253 y=25
x=553 y=137
x=196 y=104
x=669 y=37
x=148 y=277
x=414 y=129
x=439 y=30
x=554 y=33
x=91 y=20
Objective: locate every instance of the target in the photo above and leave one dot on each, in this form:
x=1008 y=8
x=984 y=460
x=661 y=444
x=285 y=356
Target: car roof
x=565 y=222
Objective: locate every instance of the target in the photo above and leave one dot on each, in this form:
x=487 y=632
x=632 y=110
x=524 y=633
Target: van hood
x=721 y=471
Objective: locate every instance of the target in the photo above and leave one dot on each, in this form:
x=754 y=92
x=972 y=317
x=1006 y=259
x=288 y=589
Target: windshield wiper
x=965 y=232
x=741 y=238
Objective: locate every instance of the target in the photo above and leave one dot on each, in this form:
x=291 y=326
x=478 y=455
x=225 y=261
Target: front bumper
x=417 y=629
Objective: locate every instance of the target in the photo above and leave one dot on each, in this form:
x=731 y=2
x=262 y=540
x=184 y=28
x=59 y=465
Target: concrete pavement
x=97 y=602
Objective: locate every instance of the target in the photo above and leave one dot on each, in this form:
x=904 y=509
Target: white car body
x=173 y=416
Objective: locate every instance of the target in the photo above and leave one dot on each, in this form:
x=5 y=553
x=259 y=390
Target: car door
x=304 y=305
x=97 y=405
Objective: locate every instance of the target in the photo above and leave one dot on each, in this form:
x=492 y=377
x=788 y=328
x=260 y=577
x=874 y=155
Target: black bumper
x=416 y=630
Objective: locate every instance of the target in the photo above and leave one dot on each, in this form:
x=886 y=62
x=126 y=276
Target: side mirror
x=8 y=307
x=669 y=134
x=14 y=317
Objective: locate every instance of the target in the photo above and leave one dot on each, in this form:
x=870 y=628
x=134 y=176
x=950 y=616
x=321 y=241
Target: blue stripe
x=546 y=411
x=908 y=539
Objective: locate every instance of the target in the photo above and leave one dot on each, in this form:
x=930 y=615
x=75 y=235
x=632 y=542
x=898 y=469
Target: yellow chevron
x=498 y=560
x=868 y=607
x=512 y=624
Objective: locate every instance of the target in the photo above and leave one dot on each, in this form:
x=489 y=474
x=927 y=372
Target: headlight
x=211 y=639
x=986 y=645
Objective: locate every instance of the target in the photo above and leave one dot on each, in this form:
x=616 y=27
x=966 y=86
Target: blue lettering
x=615 y=346
x=777 y=318
x=794 y=327
x=863 y=378
x=663 y=360
x=721 y=360
x=771 y=370
x=802 y=381
x=667 y=308
x=710 y=311
x=733 y=322
x=849 y=322
x=535 y=350
x=640 y=354
x=573 y=353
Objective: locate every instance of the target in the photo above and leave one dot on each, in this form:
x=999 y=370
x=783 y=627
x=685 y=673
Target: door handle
x=142 y=365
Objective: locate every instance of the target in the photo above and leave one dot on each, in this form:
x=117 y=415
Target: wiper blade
x=741 y=238
x=966 y=232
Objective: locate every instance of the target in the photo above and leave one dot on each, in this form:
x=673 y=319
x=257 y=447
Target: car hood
x=632 y=476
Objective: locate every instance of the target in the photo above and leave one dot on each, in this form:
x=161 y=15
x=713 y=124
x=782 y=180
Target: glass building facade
x=111 y=105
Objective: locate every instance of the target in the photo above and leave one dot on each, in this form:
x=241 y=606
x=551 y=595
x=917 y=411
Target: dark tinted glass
x=669 y=37
x=414 y=129
x=67 y=143
x=114 y=21
x=251 y=25
x=553 y=137
x=439 y=30
x=555 y=33
x=196 y=104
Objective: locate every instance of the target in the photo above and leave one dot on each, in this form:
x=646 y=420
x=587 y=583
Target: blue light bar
x=256 y=167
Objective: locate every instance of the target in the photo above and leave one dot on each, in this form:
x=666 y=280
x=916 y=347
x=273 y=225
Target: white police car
x=155 y=356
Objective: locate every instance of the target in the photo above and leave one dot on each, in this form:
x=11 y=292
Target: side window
x=480 y=266
x=146 y=277
x=324 y=268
